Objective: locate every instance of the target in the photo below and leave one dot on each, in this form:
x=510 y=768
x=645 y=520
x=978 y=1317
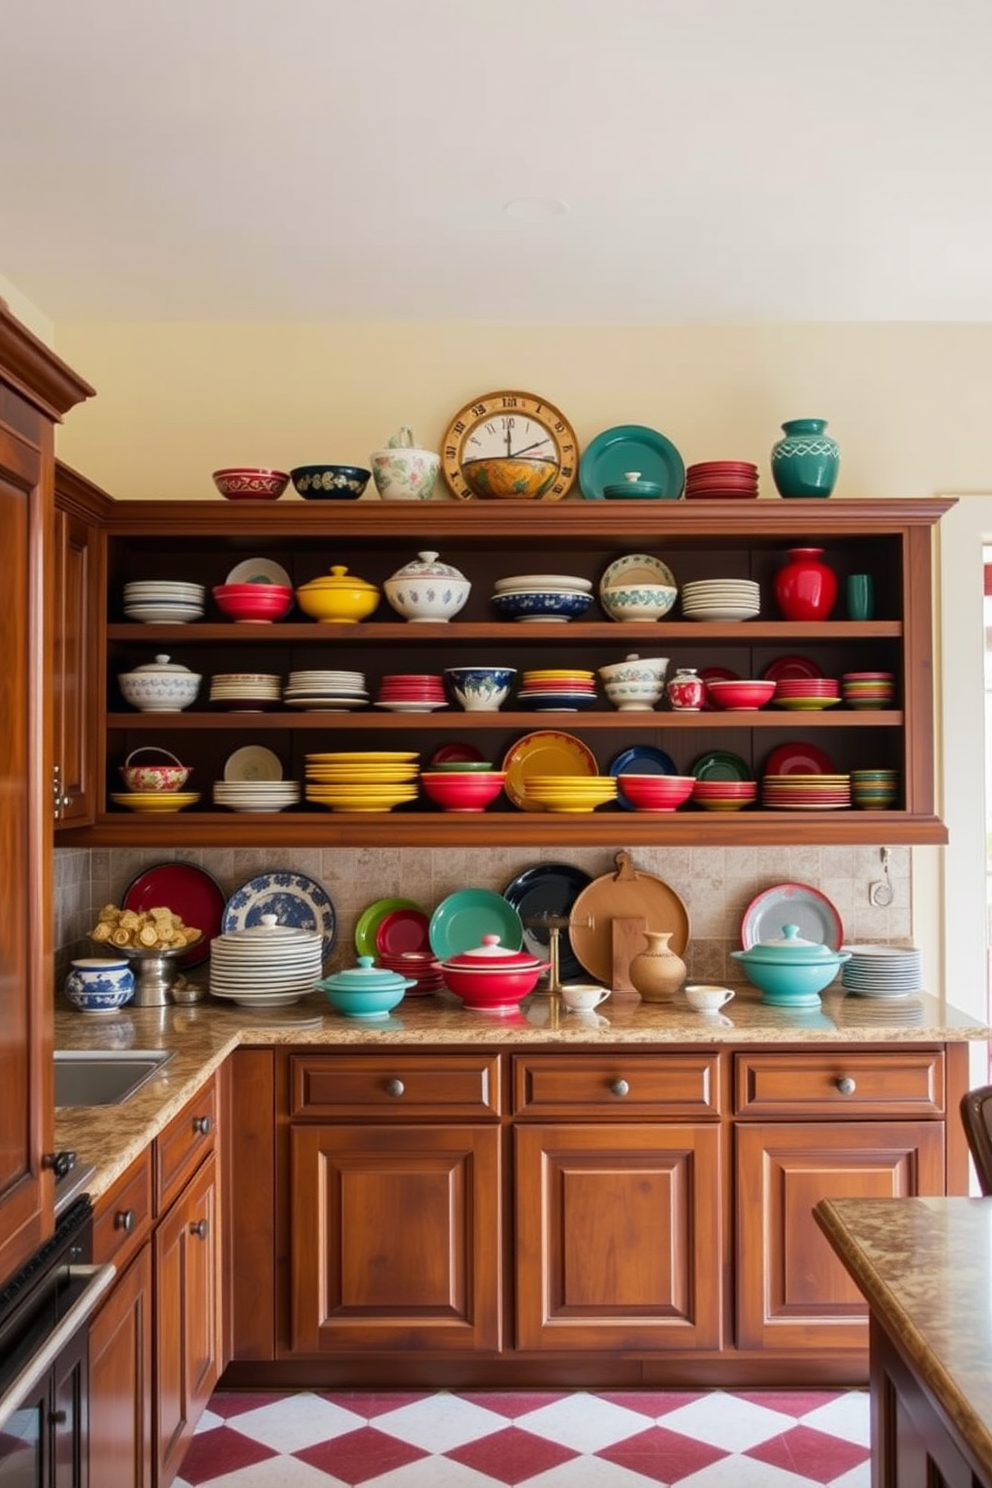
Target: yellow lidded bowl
x=338 y=598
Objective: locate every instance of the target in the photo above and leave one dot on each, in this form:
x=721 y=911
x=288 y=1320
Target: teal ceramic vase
x=806 y=460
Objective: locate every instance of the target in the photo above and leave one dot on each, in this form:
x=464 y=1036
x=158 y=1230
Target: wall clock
x=509 y=445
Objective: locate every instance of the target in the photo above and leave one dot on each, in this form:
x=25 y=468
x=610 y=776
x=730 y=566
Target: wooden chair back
x=976 y=1114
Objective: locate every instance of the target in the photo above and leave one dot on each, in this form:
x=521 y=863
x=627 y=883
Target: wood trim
x=42 y=377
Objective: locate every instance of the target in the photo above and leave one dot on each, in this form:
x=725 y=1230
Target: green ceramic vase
x=806 y=460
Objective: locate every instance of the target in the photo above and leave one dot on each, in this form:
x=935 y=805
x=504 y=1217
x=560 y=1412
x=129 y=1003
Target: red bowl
x=453 y=791
x=251 y=482
x=656 y=792
x=236 y=590
x=492 y=991
x=741 y=694
x=261 y=605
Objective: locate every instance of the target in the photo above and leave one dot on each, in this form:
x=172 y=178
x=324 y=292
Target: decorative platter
x=190 y=892
x=627 y=894
x=252 y=762
x=463 y=918
x=548 y=889
x=791 y=668
x=546 y=752
x=293 y=898
x=368 y=922
x=607 y=459
x=798 y=759
x=792 y=904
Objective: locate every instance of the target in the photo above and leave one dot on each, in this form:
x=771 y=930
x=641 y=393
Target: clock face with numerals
x=516 y=428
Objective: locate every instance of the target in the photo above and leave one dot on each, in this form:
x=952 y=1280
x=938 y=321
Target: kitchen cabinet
x=202 y=541
x=36 y=389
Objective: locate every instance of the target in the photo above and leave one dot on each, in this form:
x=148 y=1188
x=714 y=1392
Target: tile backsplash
x=716 y=884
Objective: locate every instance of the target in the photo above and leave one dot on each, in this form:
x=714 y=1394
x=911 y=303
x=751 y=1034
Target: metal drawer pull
x=846 y=1085
x=202 y=1125
x=199 y=1228
x=619 y=1088
x=124 y=1220
x=395 y=1087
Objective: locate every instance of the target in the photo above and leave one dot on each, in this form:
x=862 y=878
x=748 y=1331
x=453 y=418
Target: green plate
x=606 y=460
x=371 y=918
x=460 y=921
x=720 y=764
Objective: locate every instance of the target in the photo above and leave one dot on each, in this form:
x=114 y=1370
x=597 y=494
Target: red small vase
x=805 y=588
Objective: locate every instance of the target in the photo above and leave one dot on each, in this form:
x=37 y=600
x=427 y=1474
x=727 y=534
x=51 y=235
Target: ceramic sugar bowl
x=402 y=471
x=427 y=589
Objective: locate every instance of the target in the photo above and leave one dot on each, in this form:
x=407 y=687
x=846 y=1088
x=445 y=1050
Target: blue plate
x=642 y=759
x=293 y=898
x=460 y=921
x=611 y=454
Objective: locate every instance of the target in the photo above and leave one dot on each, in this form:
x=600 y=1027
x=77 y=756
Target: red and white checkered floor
x=506 y=1439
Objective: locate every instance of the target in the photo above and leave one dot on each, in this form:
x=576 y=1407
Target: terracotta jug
x=657 y=972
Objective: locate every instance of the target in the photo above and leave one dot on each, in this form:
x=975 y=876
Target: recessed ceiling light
x=535 y=208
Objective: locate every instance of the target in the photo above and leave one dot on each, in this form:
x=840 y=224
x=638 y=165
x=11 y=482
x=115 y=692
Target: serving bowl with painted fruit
x=165 y=774
x=509 y=478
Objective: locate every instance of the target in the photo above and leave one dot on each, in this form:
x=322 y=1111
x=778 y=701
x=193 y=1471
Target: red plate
x=798 y=759
x=449 y=753
x=189 y=892
x=403 y=930
x=791 y=666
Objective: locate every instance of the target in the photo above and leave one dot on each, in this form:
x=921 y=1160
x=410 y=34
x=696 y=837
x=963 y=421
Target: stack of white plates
x=326 y=691
x=246 y=692
x=721 y=599
x=267 y=965
x=256 y=795
x=883 y=970
x=164 y=601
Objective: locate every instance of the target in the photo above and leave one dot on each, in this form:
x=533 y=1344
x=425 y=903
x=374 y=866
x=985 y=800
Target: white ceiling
x=720 y=160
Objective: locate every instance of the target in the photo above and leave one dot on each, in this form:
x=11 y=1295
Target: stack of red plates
x=806 y=792
x=807 y=694
x=421 y=967
x=721 y=480
x=412 y=692
x=725 y=795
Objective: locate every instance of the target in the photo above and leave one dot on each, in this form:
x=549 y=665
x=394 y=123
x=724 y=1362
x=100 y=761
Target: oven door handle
x=20 y=1388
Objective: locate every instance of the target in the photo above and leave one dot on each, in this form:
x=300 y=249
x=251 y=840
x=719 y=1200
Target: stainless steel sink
x=108 y=1078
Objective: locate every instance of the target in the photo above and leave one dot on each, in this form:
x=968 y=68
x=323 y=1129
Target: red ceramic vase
x=805 y=588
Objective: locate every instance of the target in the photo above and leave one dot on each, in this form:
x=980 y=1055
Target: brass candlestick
x=554 y=924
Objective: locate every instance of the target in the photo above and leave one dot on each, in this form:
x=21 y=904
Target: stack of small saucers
x=246 y=692
x=721 y=480
x=164 y=601
x=412 y=692
x=420 y=967
x=569 y=793
x=325 y=691
x=256 y=795
x=868 y=689
x=721 y=599
x=883 y=970
x=561 y=689
x=807 y=694
x=362 y=780
x=545 y=597
x=266 y=965
x=806 y=792
x=874 y=790
x=725 y=795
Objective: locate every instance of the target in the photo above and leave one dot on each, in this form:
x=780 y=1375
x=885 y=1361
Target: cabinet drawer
x=183 y=1145
x=622 y=1084
x=122 y=1216
x=893 y=1082
x=395 y=1087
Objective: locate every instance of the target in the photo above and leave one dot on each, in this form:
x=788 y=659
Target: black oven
x=44 y=1309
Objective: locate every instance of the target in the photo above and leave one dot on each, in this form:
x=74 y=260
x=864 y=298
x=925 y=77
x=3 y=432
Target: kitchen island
x=925 y=1267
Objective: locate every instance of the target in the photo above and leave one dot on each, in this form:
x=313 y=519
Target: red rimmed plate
x=792 y=904
x=190 y=892
x=798 y=759
x=403 y=930
x=791 y=666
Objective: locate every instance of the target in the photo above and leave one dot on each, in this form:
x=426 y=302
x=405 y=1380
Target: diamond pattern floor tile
x=532 y=1439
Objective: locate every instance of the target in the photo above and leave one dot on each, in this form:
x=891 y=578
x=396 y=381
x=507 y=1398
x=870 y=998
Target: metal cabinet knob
x=200 y=1229
x=619 y=1088
x=846 y=1085
x=202 y=1125
x=124 y=1220
x=395 y=1087
x=60 y=1163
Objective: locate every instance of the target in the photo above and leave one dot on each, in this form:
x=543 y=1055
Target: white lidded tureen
x=427 y=589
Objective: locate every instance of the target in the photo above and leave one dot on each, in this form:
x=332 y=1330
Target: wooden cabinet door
x=67 y=1421
x=395 y=1238
x=618 y=1236
x=793 y=1292
x=74 y=662
x=188 y=1348
x=120 y=1385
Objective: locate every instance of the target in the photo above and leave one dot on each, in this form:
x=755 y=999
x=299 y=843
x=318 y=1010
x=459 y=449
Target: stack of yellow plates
x=568 y=792
x=362 y=780
x=155 y=800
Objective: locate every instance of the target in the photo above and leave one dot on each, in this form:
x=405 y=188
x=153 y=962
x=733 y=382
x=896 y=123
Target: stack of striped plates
x=883 y=970
x=806 y=792
x=325 y=691
x=256 y=795
x=362 y=780
x=246 y=692
x=266 y=965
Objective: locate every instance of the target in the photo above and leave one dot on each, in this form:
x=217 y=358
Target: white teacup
x=582 y=997
x=707 y=999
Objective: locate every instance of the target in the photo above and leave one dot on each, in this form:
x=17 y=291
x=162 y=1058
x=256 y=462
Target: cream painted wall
x=27 y=313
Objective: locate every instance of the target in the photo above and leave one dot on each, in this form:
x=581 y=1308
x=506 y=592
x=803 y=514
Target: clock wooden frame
x=510 y=402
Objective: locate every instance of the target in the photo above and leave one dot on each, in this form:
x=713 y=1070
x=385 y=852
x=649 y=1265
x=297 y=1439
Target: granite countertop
x=202 y=1035
x=925 y=1267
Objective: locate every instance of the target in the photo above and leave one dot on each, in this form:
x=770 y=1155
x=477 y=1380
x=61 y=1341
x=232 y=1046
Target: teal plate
x=371 y=918
x=460 y=921
x=607 y=459
x=720 y=764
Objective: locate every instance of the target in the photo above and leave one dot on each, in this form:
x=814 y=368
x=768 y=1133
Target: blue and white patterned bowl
x=480 y=689
x=98 y=985
x=541 y=604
